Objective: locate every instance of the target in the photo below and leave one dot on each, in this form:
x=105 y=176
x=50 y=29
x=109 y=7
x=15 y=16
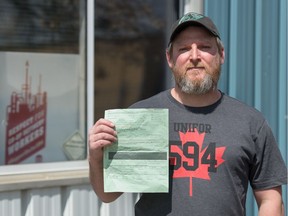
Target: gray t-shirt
x=215 y=151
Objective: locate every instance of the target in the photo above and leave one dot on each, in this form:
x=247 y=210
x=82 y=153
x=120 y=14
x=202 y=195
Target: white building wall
x=77 y=200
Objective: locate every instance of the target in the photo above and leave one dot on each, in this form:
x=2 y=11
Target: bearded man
x=238 y=147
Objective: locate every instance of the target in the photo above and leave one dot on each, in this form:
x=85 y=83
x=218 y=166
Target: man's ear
x=222 y=56
x=169 y=59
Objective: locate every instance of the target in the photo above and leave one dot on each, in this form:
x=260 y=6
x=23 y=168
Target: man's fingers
x=103 y=126
x=101 y=134
x=103 y=121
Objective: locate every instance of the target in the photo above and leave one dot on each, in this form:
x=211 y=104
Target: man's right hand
x=102 y=134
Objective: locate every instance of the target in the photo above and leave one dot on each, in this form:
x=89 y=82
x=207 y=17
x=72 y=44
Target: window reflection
x=129 y=51
x=40 y=25
x=42 y=79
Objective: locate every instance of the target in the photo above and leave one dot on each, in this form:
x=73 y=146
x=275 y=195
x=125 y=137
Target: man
x=218 y=145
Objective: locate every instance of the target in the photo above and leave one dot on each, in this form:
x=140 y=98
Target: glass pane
x=130 y=42
x=42 y=79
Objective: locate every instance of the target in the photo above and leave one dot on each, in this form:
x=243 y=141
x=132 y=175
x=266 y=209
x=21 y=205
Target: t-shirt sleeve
x=268 y=169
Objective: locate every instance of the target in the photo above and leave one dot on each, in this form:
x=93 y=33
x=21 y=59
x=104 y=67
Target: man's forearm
x=268 y=211
x=270 y=201
x=97 y=182
x=271 y=207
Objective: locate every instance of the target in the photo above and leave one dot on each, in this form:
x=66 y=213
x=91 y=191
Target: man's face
x=195 y=60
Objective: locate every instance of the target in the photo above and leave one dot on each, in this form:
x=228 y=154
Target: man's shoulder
x=156 y=101
x=237 y=107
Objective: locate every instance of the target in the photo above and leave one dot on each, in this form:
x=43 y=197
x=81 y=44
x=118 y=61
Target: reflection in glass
x=42 y=79
x=129 y=51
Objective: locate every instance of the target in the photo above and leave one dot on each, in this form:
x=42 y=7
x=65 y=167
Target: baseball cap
x=190 y=19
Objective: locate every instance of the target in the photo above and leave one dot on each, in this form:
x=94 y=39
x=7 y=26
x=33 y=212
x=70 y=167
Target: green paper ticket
x=139 y=161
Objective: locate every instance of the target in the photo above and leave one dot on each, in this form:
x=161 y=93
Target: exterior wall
x=62 y=192
x=76 y=200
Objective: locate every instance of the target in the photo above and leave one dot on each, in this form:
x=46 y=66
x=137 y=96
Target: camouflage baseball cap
x=191 y=19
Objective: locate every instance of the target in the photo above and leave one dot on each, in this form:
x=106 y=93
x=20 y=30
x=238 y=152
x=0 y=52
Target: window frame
x=25 y=176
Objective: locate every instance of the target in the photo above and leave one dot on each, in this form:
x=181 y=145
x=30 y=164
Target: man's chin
x=194 y=91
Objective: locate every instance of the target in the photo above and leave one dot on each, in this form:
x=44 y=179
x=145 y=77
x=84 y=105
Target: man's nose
x=194 y=52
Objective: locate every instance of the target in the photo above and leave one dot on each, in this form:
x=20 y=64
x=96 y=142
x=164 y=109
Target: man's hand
x=100 y=135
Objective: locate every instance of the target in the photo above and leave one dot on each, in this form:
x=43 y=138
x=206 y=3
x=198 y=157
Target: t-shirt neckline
x=204 y=109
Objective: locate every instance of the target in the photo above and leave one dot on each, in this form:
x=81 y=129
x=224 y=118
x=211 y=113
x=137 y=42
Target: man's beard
x=198 y=87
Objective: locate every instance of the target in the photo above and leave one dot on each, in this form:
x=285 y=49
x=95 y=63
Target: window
x=42 y=79
x=130 y=42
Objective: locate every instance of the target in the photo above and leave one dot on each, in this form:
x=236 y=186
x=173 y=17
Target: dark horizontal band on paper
x=138 y=155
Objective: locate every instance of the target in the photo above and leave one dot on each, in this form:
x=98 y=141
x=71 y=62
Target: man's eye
x=204 y=47
x=183 y=49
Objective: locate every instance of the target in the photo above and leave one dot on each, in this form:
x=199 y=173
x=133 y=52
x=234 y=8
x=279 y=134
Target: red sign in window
x=26 y=123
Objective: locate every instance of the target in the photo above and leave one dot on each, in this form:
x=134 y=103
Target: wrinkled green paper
x=138 y=161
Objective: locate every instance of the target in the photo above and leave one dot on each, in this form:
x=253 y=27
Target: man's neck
x=196 y=100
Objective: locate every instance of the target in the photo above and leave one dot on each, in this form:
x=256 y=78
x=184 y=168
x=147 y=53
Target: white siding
x=10 y=203
x=77 y=200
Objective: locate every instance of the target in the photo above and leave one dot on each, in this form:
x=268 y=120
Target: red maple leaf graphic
x=195 y=161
